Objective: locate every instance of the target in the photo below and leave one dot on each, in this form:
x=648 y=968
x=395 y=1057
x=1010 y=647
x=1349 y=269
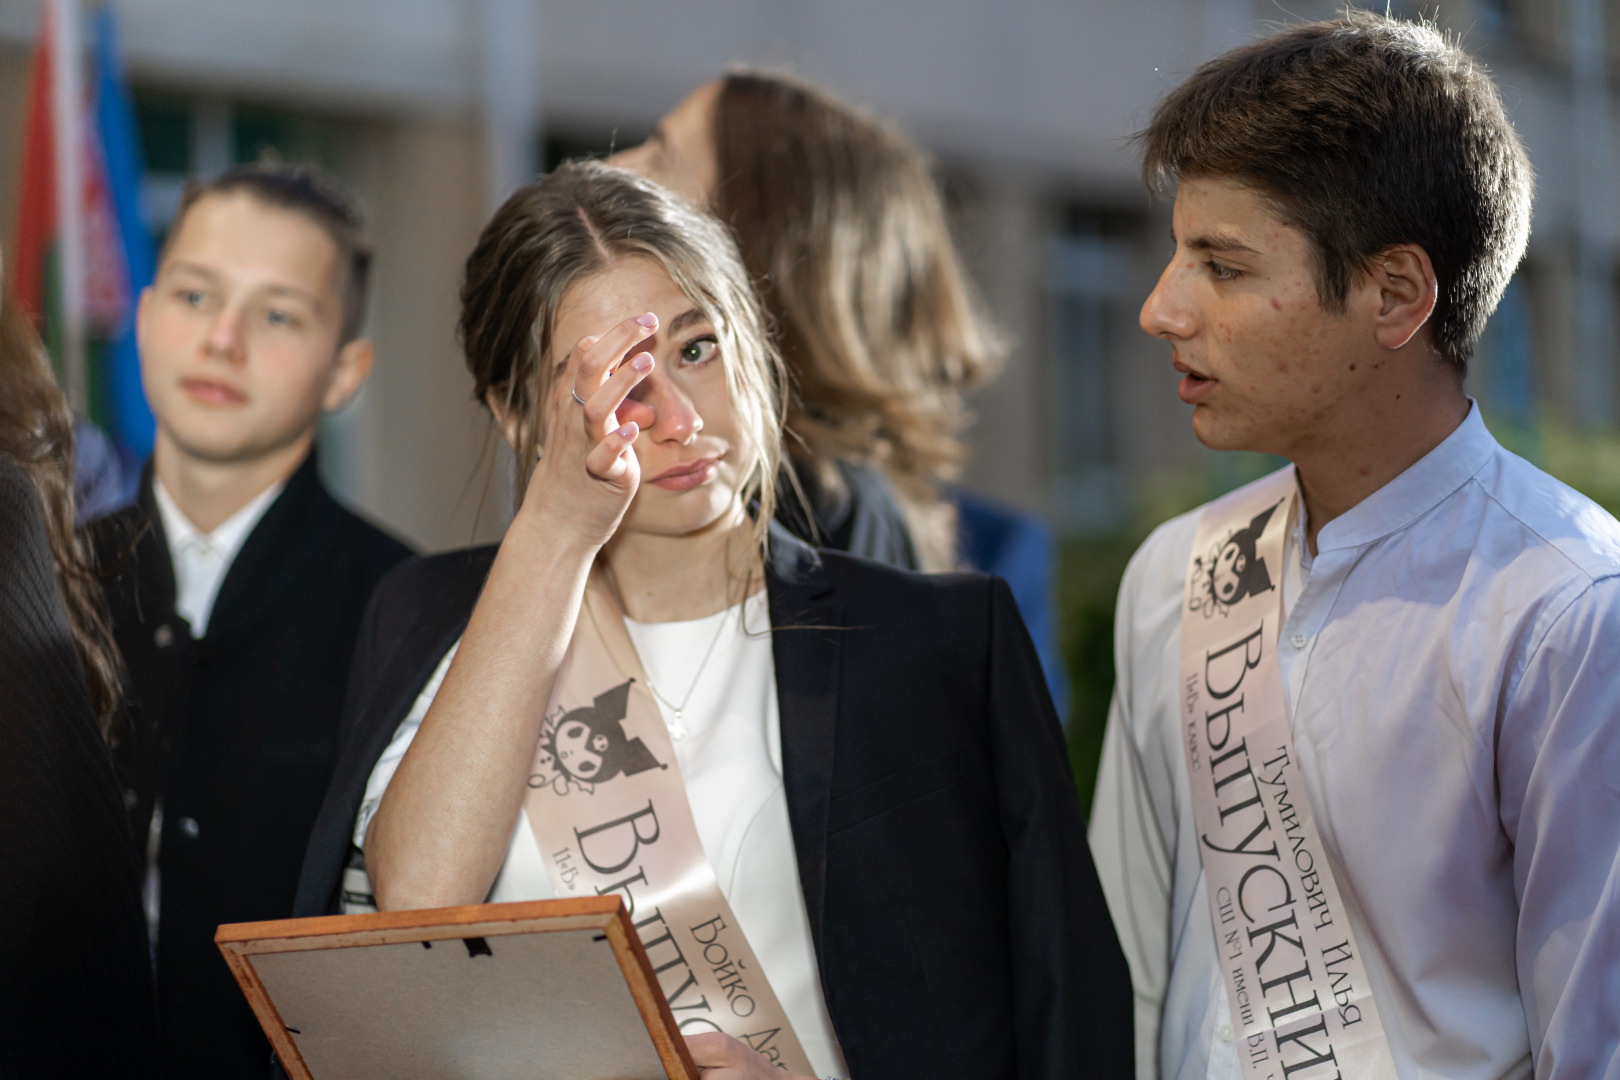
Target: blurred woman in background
x=843 y=230
x=75 y=978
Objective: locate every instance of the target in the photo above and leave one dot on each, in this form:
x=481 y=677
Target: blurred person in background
x=236 y=581
x=1358 y=812
x=862 y=763
x=843 y=229
x=75 y=977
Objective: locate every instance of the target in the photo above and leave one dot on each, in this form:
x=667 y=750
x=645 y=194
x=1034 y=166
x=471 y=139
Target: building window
x=1093 y=301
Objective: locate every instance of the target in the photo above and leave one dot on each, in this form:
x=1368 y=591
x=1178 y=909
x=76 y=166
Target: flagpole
x=67 y=100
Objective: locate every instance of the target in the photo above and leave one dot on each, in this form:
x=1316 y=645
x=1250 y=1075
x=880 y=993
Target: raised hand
x=588 y=473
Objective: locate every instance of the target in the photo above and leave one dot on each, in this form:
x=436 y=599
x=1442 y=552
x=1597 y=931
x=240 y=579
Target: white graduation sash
x=609 y=813
x=1301 y=1005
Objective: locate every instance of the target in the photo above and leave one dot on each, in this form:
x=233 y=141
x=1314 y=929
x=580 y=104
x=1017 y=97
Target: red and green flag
x=82 y=252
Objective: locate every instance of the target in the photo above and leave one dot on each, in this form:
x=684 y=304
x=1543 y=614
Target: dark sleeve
x=415 y=614
x=864 y=519
x=1072 y=989
x=75 y=981
x=329 y=841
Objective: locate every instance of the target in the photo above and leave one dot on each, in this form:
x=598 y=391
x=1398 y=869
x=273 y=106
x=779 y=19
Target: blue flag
x=132 y=423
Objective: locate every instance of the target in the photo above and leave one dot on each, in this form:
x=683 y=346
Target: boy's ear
x=1407 y=293
x=349 y=373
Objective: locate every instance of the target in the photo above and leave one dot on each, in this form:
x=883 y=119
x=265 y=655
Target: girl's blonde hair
x=578 y=221
x=842 y=226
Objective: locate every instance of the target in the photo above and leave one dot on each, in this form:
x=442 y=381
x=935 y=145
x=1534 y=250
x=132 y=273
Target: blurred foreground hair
x=36 y=431
x=575 y=222
x=842 y=227
x=1364 y=132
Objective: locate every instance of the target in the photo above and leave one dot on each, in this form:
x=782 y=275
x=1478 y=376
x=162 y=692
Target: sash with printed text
x=609 y=812
x=1298 y=993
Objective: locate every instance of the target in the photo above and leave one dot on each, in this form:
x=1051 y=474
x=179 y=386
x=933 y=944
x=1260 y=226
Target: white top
x=201 y=559
x=731 y=762
x=1452 y=666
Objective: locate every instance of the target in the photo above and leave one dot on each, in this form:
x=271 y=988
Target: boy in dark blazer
x=236 y=582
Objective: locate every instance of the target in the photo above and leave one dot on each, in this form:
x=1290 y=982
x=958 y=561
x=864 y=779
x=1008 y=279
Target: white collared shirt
x=728 y=744
x=1451 y=661
x=201 y=559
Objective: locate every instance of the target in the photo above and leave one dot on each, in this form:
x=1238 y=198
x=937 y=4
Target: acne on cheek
x=1276 y=304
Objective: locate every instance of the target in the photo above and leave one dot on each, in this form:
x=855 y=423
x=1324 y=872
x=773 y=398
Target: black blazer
x=75 y=980
x=958 y=922
x=237 y=732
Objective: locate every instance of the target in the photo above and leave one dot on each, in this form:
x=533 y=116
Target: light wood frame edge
x=240 y=941
x=656 y=1014
x=269 y=1016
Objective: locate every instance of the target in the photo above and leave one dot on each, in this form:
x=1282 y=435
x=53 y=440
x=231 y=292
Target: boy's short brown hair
x=311 y=192
x=1364 y=132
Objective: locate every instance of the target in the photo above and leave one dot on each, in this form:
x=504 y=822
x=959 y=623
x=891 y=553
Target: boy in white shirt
x=237 y=582
x=1358 y=813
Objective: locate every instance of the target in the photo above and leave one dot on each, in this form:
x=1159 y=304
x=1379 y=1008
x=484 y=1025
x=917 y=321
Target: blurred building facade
x=432 y=110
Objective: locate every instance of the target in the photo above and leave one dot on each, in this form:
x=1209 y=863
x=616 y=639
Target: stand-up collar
x=1415 y=492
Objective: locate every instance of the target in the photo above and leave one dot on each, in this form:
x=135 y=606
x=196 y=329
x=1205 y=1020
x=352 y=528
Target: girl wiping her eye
x=858 y=767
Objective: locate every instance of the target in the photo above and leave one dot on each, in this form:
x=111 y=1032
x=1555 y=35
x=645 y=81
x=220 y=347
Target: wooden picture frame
x=339 y=997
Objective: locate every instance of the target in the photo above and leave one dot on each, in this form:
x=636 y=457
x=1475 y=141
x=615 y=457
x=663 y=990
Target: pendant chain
x=678 y=728
x=680 y=709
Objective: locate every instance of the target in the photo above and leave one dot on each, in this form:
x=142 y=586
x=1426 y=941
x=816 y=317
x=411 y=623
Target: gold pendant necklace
x=678 y=730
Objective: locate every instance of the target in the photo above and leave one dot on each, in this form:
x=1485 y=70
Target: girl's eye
x=1222 y=273
x=700 y=350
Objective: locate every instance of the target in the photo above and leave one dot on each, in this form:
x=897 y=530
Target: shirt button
x=163 y=637
x=1297 y=640
x=1225 y=1033
x=189 y=828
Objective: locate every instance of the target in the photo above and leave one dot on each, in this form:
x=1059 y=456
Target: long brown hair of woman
x=842 y=227
x=36 y=431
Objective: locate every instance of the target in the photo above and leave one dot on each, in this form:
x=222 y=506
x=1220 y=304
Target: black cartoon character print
x=584 y=747
x=1232 y=570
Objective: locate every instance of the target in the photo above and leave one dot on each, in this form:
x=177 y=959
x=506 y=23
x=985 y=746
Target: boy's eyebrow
x=213 y=276
x=295 y=292
x=1217 y=242
x=191 y=268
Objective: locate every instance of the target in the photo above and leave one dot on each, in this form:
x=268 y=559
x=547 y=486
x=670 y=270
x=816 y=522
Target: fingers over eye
x=600 y=409
x=598 y=358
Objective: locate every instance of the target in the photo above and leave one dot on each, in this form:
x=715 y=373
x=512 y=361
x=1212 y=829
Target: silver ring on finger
x=575 y=395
